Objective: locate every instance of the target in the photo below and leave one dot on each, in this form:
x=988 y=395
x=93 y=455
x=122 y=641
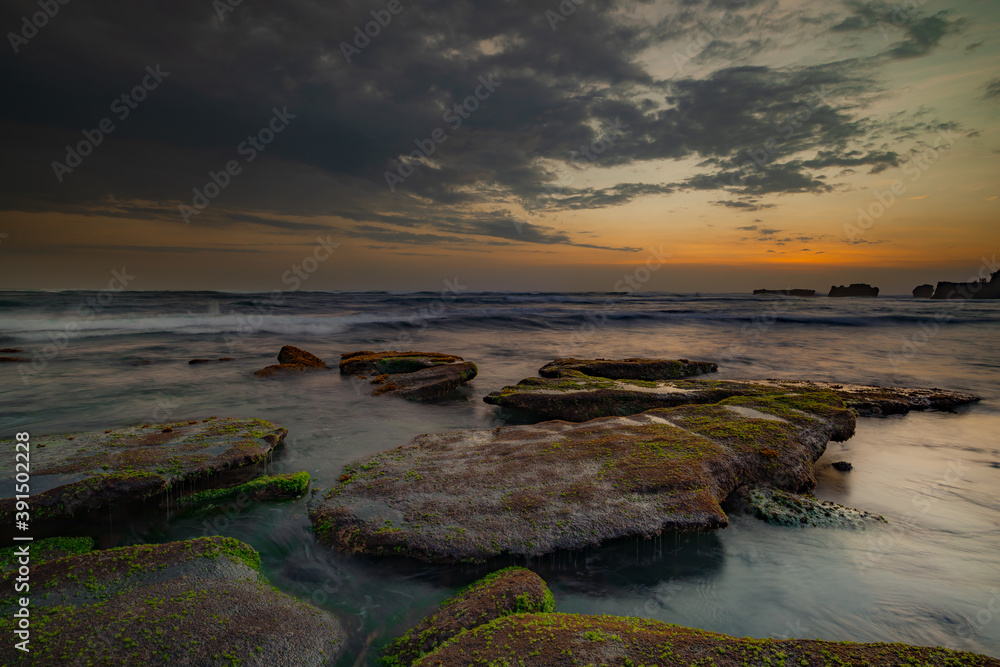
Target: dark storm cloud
x=557 y=94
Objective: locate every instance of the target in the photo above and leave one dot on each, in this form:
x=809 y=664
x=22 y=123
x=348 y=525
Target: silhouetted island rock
x=976 y=290
x=923 y=291
x=787 y=292
x=855 y=289
x=418 y=376
x=198 y=602
x=118 y=469
x=292 y=360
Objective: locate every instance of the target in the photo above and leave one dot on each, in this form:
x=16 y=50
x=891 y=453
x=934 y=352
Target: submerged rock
x=628 y=369
x=415 y=375
x=532 y=490
x=513 y=590
x=783 y=508
x=292 y=360
x=842 y=466
x=577 y=397
x=209 y=361
x=88 y=472
x=551 y=640
x=199 y=602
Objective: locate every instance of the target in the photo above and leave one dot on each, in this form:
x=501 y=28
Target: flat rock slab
x=509 y=591
x=43 y=550
x=629 y=369
x=554 y=640
x=199 y=602
x=575 y=396
x=532 y=490
x=292 y=360
x=418 y=376
x=79 y=473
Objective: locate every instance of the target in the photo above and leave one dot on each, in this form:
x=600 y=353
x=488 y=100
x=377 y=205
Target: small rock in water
x=292 y=360
x=842 y=466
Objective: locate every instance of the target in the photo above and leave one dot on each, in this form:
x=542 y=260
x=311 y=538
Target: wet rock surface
x=532 y=490
x=292 y=360
x=574 y=396
x=198 y=602
x=82 y=473
x=552 y=640
x=783 y=508
x=418 y=376
x=628 y=369
x=509 y=591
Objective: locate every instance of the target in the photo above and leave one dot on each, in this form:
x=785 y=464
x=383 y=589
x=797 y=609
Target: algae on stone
x=88 y=472
x=273 y=487
x=555 y=640
x=531 y=490
x=508 y=591
x=198 y=602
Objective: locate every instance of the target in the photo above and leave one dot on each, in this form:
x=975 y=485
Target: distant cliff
x=855 y=289
x=976 y=290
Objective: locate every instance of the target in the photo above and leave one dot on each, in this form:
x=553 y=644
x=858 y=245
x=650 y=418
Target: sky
x=685 y=145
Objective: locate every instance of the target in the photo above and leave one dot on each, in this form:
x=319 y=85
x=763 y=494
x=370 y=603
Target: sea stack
x=975 y=290
x=923 y=291
x=855 y=289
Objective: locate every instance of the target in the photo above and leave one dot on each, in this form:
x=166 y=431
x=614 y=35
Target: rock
x=923 y=291
x=532 y=490
x=274 y=487
x=787 y=292
x=292 y=360
x=197 y=602
x=293 y=355
x=52 y=548
x=855 y=289
x=578 y=397
x=970 y=290
x=514 y=590
x=418 y=376
x=548 y=640
x=842 y=466
x=96 y=471
x=783 y=508
x=210 y=361
x=628 y=369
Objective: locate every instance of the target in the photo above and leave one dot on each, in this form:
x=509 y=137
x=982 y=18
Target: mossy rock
x=272 y=487
x=508 y=591
x=573 y=395
x=198 y=602
x=420 y=376
x=94 y=472
x=532 y=490
x=40 y=551
x=554 y=640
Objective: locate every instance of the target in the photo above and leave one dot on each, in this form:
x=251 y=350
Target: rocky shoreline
x=613 y=448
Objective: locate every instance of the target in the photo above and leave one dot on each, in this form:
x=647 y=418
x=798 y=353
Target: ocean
x=931 y=576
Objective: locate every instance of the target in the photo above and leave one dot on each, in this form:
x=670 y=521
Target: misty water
x=930 y=576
